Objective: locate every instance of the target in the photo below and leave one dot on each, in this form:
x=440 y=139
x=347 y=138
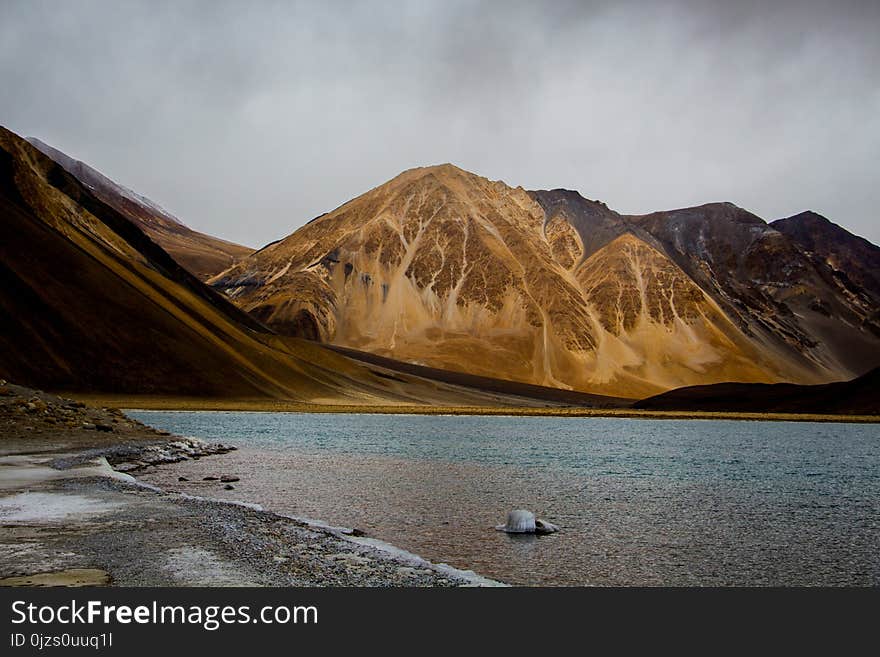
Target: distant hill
x=860 y=396
x=201 y=254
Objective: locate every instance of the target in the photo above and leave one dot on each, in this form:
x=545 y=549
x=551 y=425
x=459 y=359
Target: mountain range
x=89 y=302
x=447 y=269
x=437 y=286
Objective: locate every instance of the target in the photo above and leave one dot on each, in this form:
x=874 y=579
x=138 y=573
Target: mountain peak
x=443 y=170
x=562 y=199
x=445 y=167
x=809 y=220
x=445 y=175
x=718 y=206
x=806 y=215
x=834 y=245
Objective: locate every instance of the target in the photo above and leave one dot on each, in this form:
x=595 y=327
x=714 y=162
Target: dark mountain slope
x=853 y=259
x=93 y=304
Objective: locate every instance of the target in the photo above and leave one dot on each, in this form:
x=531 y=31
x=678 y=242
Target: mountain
x=854 y=261
x=861 y=396
x=439 y=286
x=776 y=294
x=442 y=268
x=201 y=254
x=89 y=302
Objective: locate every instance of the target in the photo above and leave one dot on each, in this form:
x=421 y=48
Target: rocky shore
x=72 y=513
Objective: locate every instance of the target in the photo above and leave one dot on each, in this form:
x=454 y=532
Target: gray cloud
x=248 y=119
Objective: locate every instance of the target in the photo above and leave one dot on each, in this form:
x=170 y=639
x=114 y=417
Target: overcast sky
x=247 y=119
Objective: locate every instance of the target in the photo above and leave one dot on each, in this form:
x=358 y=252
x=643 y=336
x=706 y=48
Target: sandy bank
x=147 y=402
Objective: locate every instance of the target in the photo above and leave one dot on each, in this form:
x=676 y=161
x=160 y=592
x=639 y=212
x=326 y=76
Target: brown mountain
x=201 y=254
x=860 y=396
x=89 y=302
x=775 y=293
x=442 y=268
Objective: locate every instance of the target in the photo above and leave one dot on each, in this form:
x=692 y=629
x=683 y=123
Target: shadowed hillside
x=860 y=396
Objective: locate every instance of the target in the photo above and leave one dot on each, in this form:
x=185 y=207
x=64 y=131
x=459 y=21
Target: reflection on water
x=639 y=501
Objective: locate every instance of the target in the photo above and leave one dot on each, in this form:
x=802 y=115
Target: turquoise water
x=640 y=501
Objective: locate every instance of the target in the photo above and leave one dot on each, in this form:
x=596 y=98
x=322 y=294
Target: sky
x=247 y=119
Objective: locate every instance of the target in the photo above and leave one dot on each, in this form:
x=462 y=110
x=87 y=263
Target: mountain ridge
x=202 y=254
x=439 y=269
x=448 y=269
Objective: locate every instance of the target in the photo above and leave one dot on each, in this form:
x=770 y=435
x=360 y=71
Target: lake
x=639 y=502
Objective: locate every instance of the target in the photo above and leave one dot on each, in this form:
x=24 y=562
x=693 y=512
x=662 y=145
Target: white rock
x=519 y=521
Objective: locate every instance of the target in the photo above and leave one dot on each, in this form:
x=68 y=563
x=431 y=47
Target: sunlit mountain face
x=444 y=268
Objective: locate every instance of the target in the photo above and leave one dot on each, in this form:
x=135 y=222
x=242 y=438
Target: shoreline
x=157 y=403
x=74 y=514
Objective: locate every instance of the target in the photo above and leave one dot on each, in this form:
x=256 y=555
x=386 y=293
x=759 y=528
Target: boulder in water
x=521 y=521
